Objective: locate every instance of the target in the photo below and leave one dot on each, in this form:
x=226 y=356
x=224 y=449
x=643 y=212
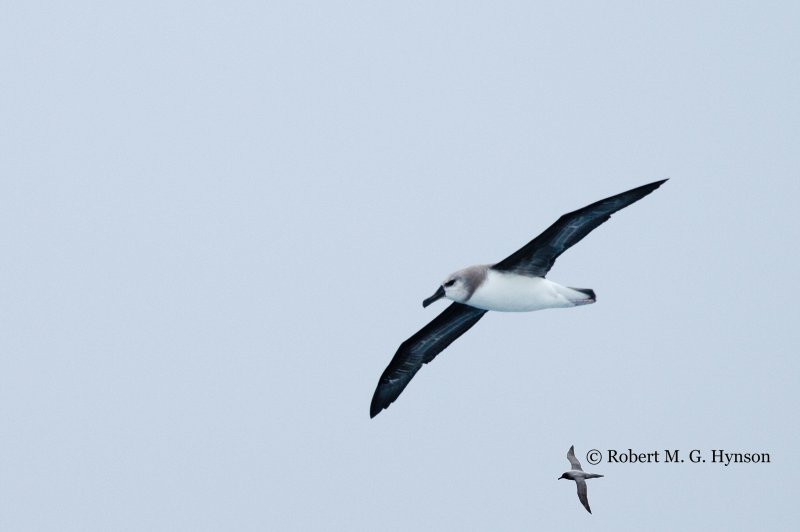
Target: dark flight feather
x=420 y=349
x=537 y=256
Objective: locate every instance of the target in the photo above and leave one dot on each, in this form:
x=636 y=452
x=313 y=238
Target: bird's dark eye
x=449 y=283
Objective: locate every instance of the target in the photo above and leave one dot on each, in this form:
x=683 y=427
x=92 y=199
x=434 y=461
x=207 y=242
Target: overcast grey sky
x=219 y=221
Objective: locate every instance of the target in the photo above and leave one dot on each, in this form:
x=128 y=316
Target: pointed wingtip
x=642 y=191
x=654 y=185
x=374 y=409
x=378 y=404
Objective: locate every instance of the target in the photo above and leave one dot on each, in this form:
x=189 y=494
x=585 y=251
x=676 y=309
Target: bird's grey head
x=459 y=286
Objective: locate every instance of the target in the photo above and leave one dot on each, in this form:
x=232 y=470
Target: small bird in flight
x=515 y=284
x=579 y=476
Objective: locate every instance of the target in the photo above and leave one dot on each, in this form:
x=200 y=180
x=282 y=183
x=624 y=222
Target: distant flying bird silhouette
x=579 y=476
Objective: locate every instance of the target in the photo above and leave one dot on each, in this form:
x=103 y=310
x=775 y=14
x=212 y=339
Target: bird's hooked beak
x=436 y=296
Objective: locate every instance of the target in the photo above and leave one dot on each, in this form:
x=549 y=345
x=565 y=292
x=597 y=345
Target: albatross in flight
x=579 y=476
x=515 y=284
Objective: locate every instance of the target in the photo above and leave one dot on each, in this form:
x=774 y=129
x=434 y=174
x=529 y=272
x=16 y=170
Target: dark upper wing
x=420 y=349
x=582 y=494
x=572 y=460
x=538 y=255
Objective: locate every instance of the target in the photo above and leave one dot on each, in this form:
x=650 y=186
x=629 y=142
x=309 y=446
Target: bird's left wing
x=572 y=460
x=420 y=349
x=582 y=494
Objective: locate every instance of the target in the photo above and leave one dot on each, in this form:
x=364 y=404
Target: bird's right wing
x=420 y=349
x=572 y=460
x=582 y=494
x=537 y=256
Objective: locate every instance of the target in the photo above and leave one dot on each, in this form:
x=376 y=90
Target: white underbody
x=510 y=292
